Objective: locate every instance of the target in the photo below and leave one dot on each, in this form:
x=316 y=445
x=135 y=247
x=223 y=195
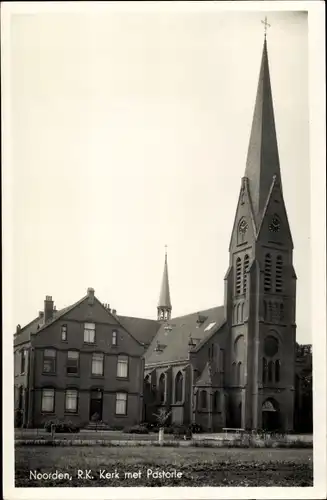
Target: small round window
x=270 y=346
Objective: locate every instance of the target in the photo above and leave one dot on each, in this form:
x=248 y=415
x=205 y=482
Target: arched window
x=245 y=272
x=270 y=371
x=277 y=370
x=279 y=274
x=267 y=280
x=162 y=387
x=238 y=281
x=203 y=399
x=238 y=312
x=239 y=373
x=242 y=312
x=235 y=314
x=178 y=388
x=264 y=370
x=216 y=401
x=270 y=311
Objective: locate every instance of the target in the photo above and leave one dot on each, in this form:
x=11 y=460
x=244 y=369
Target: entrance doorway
x=96 y=403
x=270 y=415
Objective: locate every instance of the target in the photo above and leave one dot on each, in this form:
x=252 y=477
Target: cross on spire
x=266 y=25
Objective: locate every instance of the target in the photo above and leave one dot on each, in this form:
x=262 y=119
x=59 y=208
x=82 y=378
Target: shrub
x=59 y=426
x=18 y=418
x=195 y=428
x=136 y=429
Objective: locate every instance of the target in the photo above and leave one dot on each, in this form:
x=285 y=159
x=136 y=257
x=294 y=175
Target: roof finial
x=166 y=251
x=266 y=25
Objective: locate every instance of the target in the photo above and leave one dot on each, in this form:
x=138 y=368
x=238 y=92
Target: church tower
x=164 y=305
x=261 y=282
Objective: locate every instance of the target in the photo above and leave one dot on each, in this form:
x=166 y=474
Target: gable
x=275 y=216
x=88 y=312
x=244 y=229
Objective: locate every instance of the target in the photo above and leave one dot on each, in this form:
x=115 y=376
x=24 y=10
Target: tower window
x=270 y=371
x=245 y=271
x=267 y=280
x=279 y=274
x=277 y=370
x=238 y=280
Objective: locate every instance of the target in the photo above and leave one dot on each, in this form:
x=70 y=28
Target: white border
x=318 y=238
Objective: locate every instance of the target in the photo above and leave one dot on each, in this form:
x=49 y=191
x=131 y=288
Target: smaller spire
x=164 y=304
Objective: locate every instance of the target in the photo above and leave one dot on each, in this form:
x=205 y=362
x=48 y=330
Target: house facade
x=78 y=364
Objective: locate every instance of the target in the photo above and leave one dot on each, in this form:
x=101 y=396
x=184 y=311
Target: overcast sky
x=129 y=132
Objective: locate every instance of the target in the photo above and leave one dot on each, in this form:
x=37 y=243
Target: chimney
x=41 y=314
x=114 y=312
x=48 y=308
x=18 y=328
x=90 y=294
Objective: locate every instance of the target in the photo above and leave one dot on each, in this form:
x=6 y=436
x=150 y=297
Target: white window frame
x=71 y=396
x=89 y=333
x=122 y=366
x=45 y=398
x=97 y=358
x=121 y=403
x=114 y=337
x=64 y=331
x=75 y=357
x=45 y=356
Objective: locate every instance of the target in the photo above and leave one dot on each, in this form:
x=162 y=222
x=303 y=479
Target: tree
x=162 y=417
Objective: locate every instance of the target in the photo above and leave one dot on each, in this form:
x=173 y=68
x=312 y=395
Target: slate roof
x=34 y=326
x=172 y=340
x=262 y=160
x=142 y=329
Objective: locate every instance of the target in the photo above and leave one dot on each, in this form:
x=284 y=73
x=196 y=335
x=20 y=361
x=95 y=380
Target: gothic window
x=267 y=279
x=238 y=275
x=279 y=274
x=203 y=399
x=277 y=370
x=245 y=272
x=242 y=312
x=178 y=388
x=238 y=312
x=264 y=370
x=270 y=371
x=234 y=373
x=235 y=313
x=215 y=403
x=239 y=373
x=162 y=388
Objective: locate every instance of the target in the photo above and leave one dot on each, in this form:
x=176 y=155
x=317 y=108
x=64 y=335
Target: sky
x=129 y=131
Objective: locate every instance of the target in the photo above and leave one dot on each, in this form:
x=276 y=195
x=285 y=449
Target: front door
x=96 y=405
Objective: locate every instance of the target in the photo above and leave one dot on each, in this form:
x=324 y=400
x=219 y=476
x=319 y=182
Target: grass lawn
x=198 y=466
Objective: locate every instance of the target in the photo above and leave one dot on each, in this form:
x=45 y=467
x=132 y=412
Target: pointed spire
x=164 y=304
x=263 y=159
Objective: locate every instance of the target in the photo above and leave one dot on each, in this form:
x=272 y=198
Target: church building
x=234 y=365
